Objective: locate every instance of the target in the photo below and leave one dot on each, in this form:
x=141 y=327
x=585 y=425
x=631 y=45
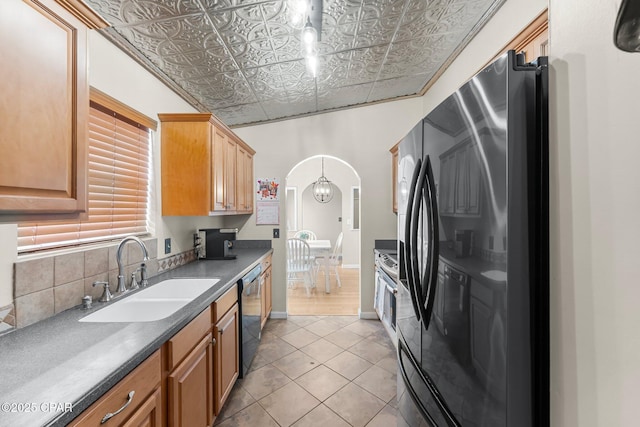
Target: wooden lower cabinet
x=190 y=388
x=185 y=383
x=132 y=402
x=227 y=362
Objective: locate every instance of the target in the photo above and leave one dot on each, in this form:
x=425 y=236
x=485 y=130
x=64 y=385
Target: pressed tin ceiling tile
x=241 y=60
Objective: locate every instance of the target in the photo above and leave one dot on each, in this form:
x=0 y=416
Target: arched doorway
x=327 y=221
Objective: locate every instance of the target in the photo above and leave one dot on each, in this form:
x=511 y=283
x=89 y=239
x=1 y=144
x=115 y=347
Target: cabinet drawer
x=224 y=303
x=184 y=341
x=143 y=380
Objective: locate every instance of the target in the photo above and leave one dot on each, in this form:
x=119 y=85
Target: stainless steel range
x=386 y=275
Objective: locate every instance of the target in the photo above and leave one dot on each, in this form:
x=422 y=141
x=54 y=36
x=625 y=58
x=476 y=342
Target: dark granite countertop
x=62 y=361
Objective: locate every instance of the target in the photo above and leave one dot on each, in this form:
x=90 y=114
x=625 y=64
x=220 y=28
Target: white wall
x=359 y=136
x=595 y=200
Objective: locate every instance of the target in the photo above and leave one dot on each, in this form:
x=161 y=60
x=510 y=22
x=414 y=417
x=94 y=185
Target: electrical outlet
x=276 y=233
x=167 y=245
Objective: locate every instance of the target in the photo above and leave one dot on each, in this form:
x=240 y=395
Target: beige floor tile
x=263 y=381
x=323 y=327
x=382 y=338
x=389 y=363
x=364 y=328
x=251 y=416
x=385 y=418
x=321 y=416
x=348 y=365
x=343 y=320
x=300 y=338
x=322 y=350
x=344 y=338
x=322 y=382
x=238 y=399
x=378 y=382
x=296 y=364
x=288 y=404
x=304 y=320
x=272 y=350
x=371 y=351
x=354 y=404
x=280 y=327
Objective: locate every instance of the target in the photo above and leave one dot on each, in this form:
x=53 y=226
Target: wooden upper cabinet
x=44 y=107
x=533 y=40
x=244 y=178
x=200 y=164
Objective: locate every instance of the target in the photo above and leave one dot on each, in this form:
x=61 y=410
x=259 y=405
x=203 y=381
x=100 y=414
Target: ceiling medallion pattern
x=242 y=61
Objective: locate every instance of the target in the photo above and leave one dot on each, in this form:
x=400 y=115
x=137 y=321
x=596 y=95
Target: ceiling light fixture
x=323 y=188
x=307 y=15
x=298 y=11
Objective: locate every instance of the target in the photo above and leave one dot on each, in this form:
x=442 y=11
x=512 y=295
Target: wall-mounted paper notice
x=267 y=213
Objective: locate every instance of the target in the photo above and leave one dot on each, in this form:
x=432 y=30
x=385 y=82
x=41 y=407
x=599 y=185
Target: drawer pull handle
x=213 y=341
x=110 y=415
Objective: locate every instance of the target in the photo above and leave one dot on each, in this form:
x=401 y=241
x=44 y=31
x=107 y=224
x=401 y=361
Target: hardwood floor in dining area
x=341 y=301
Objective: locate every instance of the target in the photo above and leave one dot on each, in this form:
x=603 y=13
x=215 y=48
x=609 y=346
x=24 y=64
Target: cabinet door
x=480 y=319
x=230 y=174
x=149 y=414
x=474 y=181
x=248 y=178
x=45 y=109
x=462 y=180
x=190 y=388
x=218 y=163
x=241 y=182
x=447 y=185
x=268 y=294
x=226 y=356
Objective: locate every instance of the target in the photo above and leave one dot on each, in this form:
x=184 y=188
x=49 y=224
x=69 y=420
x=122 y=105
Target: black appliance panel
x=489 y=166
x=250 y=307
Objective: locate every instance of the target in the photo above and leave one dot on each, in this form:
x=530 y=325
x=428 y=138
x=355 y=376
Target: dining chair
x=305 y=235
x=335 y=259
x=299 y=264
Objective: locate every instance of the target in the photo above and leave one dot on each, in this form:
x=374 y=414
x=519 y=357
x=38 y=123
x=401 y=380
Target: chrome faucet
x=122 y=286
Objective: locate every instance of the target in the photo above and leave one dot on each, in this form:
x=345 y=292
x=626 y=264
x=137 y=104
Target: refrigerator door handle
x=408 y=259
x=433 y=255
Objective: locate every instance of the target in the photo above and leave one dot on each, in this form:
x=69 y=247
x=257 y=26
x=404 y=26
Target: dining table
x=322 y=249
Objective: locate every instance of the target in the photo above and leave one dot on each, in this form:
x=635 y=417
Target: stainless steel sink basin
x=153 y=303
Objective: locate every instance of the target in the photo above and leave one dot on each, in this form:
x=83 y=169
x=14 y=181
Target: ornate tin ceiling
x=243 y=62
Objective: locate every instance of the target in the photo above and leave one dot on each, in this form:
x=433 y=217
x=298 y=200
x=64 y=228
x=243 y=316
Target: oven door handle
x=391 y=289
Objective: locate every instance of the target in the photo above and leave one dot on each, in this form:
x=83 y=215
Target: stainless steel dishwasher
x=250 y=314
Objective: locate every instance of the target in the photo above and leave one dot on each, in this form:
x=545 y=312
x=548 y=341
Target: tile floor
x=329 y=371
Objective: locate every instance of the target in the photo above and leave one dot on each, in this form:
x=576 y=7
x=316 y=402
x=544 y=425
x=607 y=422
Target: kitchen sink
x=153 y=303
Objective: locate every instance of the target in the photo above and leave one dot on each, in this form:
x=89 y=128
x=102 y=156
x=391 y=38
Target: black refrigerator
x=472 y=304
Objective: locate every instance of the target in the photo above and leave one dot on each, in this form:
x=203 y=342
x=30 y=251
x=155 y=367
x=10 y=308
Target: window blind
x=118 y=177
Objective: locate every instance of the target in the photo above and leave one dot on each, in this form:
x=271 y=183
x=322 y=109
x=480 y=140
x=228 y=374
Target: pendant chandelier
x=323 y=188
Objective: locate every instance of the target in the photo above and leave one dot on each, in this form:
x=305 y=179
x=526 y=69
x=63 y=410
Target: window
x=118 y=176
x=292 y=208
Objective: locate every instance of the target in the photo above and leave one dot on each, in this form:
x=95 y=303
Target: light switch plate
x=167 y=245
x=276 y=233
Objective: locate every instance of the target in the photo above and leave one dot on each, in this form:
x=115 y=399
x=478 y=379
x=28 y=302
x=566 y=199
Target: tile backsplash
x=50 y=285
